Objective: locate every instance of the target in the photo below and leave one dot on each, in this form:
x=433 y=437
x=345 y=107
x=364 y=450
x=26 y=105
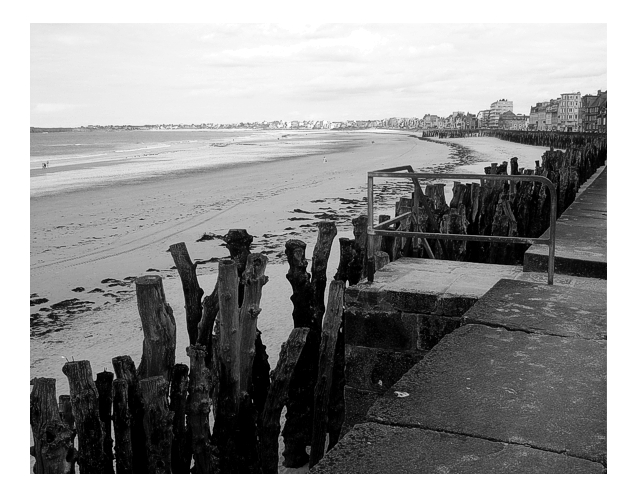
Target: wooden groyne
x=156 y=418
x=494 y=208
x=556 y=139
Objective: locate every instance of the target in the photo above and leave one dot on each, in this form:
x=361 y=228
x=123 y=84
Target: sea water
x=77 y=160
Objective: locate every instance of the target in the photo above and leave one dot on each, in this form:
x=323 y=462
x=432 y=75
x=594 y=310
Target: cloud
x=360 y=43
x=47 y=108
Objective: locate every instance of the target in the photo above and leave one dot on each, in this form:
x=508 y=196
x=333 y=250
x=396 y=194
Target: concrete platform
x=541 y=391
x=372 y=448
x=581 y=235
x=421 y=285
x=531 y=307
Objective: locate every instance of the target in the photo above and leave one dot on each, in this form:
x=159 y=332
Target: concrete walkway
x=519 y=387
x=581 y=235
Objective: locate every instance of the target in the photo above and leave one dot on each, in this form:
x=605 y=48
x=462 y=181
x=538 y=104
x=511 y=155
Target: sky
x=83 y=74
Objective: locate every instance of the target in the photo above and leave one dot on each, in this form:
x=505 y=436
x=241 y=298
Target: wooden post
x=125 y=370
x=300 y=283
x=381 y=259
x=122 y=421
x=308 y=305
x=260 y=375
x=404 y=245
x=234 y=427
x=357 y=268
x=66 y=414
x=159 y=329
x=513 y=166
x=104 y=388
x=157 y=424
x=277 y=397
x=337 y=410
x=253 y=280
x=191 y=290
x=206 y=324
x=238 y=243
x=52 y=439
x=332 y=324
x=346 y=257
x=198 y=409
x=319 y=263
x=85 y=403
x=181 y=442
x=229 y=341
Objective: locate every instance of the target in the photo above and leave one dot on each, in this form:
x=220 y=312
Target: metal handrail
x=393 y=173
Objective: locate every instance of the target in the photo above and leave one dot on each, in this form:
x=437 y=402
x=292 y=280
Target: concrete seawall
x=454 y=367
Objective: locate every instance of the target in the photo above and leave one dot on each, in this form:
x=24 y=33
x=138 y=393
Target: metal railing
x=393 y=173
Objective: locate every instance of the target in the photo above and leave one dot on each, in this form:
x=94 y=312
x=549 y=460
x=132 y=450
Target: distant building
x=544 y=116
x=430 y=121
x=552 y=115
x=498 y=108
x=592 y=115
x=568 y=111
x=537 y=118
x=509 y=120
x=482 y=119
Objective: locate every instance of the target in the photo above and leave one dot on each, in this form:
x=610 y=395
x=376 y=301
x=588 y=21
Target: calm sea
x=78 y=160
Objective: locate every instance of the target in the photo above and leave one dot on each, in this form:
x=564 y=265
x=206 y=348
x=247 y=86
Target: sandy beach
x=88 y=245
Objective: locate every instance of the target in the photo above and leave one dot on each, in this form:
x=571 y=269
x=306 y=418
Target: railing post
x=370 y=246
x=552 y=234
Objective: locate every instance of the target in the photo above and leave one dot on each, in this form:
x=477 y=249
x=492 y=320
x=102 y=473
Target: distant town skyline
x=114 y=74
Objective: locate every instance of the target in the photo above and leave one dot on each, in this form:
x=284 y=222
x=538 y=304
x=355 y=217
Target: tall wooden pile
x=160 y=411
x=496 y=208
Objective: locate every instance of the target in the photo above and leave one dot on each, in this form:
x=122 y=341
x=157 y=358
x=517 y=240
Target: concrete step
x=543 y=309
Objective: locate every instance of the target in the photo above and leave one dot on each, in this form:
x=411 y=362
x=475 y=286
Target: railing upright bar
x=551 y=267
x=370 y=246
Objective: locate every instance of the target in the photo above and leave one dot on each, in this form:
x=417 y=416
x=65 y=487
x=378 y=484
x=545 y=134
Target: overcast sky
x=85 y=74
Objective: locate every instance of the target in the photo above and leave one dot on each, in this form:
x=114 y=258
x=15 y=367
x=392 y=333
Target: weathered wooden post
x=191 y=290
x=238 y=242
x=360 y=225
x=198 y=409
x=346 y=257
x=157 y=424
x=52 y=438
x=122 y=421
x=104 y=388
x=330 y=330
x=181 y=443
x=381 y=259
x=85 y=403
x=277 y=397
x=66 y=414
x=159 y=329
x=308 y=310
x=235 y=422
x=125 y=370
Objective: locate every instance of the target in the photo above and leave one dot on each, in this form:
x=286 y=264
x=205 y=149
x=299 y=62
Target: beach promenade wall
x=388 y=330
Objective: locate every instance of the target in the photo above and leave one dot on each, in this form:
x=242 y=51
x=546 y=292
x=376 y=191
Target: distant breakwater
x=555 y=139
